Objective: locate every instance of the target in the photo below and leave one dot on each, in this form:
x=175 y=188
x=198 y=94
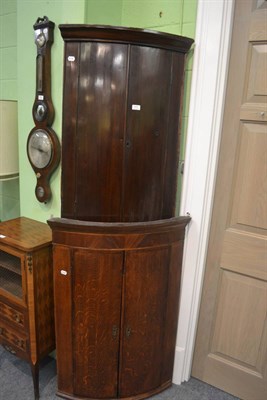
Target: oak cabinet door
x=145 y=302
x=97 y=278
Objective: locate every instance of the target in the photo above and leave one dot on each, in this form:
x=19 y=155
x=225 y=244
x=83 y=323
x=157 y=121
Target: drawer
x=13 y=315
x=14 y=341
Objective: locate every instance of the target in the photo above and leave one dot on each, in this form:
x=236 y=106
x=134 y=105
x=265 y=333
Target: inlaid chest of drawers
x=26 y=292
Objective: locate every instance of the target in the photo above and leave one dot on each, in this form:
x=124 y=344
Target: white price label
x=63 y=272
x=136 y=107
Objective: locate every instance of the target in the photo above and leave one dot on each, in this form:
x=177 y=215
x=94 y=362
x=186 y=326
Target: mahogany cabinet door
x=69 y=131
x=93 y=134
x=97 y=283
x=155 y=83
x=145 y=304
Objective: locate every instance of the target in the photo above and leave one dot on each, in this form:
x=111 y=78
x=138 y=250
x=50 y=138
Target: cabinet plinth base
x=135 y=397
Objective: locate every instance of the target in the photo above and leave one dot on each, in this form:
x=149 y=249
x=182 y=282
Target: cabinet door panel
x=97 y=280
x=71 y=82
x=12 y=276
x=146 y=288
x=173 y=138
x=100 y=131
x=63 y=313
x=147 y=131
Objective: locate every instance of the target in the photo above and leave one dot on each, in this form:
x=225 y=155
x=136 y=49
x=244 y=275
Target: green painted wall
x=59 y=11
x=103 y=12
x=9 y=190
x=173 y=16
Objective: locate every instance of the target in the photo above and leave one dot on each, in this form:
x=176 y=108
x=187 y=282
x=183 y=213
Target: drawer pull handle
x=20 y=343
x=8 y=348
x=17 y=318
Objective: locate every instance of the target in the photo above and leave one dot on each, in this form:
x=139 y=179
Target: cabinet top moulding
x=106 y=33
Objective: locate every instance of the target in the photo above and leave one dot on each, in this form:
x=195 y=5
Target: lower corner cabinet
x=26 y=292
x=116 y=306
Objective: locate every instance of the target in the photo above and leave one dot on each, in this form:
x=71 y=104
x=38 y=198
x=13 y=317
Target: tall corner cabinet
x=118 y=246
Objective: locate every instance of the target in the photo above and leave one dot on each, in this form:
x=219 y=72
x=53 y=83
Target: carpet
x=16 y=383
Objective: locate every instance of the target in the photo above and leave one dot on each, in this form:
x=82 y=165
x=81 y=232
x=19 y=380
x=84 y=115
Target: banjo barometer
x=43 y=147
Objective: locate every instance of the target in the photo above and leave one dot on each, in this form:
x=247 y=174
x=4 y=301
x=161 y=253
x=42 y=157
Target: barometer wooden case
x=43 y=148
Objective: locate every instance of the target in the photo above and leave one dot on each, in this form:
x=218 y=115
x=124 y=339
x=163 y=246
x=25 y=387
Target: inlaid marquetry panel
x=13 y=314
x=16 y=339
x=239 y=297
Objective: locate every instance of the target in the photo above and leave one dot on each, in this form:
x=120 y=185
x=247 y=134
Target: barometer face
x=40 y=148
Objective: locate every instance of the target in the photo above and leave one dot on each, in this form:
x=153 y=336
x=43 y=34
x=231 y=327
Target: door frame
x=209 y=78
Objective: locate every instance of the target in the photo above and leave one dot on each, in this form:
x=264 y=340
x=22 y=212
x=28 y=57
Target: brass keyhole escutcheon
x=128 y=331
x=115 y=330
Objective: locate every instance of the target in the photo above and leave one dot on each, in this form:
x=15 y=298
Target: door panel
x=63 y=316
x=249 y=208
x=249 y=294
x=231 y=343
x=245 y=254
x=257 y=82
x=97 y=280
x=71 y=83
x=146 y=288
x=146 y=135
x=100 y=131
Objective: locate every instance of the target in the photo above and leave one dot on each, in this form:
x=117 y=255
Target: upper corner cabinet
x=121 y=119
